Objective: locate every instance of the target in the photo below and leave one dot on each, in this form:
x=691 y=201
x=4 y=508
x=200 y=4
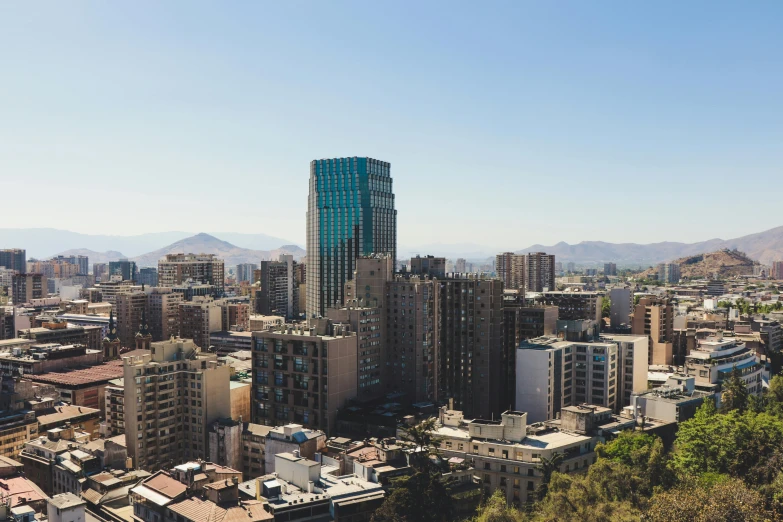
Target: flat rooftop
x=101 y=373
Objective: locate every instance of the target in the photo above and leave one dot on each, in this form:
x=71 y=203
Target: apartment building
x=471 y=345
x=26 y=287
x=199 y=317
x=610 y=269
x=620 y=308
x=163 y=313
x=573 y=305
x=175 y=269
x=234 y=316
x=669 y=272
x=654 y=317
x=777 y=270
x=148 y=276
x=713 y=359
x=539 y=269
x=171 y=396
x=14 y=259
x=510 y=268
x=428 y=266
x=633 y=355
x=130 y=308
x=366 y=323
x=278 y=293
x=110 y=289
x=304 y=374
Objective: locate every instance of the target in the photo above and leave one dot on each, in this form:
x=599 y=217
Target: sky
x=505 y=123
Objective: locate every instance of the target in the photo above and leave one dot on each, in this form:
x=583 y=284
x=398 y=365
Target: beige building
x=240 y=400
x=129 y=309
x=171 y=396
x=163 y=316
x=510 y=268
x=199 y=317
x=262 y=322
x=366 y=323
x=175 y=269
x=539 y=271
x=304 y=374
x=654 y=317
x=26 y=287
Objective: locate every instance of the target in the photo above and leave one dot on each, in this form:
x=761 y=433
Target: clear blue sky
x=506 y=123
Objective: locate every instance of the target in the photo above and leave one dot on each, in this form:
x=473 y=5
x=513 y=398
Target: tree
x=418 y=498
x=642 y=452
x=734 y=392
x=496 y=510
x=423 y=437
x=606 y=307
x=547 y=467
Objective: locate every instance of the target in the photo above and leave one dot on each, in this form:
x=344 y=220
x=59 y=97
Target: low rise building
x=713 y=360
x=81 y=387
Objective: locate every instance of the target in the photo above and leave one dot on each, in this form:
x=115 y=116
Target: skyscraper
x=350 y=213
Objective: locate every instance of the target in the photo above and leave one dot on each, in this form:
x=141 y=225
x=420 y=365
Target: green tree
x=497 y=510
x=422 y=435
x=642 y=452
x=418 y=498
x=734 y=392
x=606 y=307
x=547 y=467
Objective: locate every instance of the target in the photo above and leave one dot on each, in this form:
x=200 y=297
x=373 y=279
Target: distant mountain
x=94 y=257
x=43 y=243
x=764 y=247
x=208 y=244
x=725 y=263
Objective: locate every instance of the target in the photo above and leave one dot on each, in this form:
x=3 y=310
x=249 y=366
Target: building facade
x=350 y=213
x=26 y=287
x=654 y=317
x=428 y=265
x=176 y=269
x=510 y=268
x=278 y=293
x=539 y=272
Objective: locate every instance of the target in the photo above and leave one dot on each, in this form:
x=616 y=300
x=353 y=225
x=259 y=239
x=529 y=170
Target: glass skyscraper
x=350 y=213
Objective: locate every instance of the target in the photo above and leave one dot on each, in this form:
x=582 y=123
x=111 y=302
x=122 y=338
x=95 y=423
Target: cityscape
x=369 y=340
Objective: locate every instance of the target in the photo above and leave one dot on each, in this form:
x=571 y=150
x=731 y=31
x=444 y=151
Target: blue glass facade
x=350 y=213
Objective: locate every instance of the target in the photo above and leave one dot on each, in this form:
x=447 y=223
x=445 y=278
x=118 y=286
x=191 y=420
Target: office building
x=171 y=396
x=176 y=269
x=610 y=269
x=510 y=268
x=669 y=272
x=278 y=293
x=198 y=318
x=539 y=272
x=412 y=310
x=148 y=276
x=350 y=213
x=429 y=266
x=244 y=272
x=163 y=313
x=26 y=287
x=304 y=374
x=620 y=308
x=573 y=306
x=82 y=262
x=654 y=317
x=130 y=308
x=125 y=269
x=471 y=345
x=14 y=259
x=100 y=271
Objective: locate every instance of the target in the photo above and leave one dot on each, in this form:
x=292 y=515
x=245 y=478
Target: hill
x=764 y=247
x=208 y=244
x=94 y=257
x=726 y=263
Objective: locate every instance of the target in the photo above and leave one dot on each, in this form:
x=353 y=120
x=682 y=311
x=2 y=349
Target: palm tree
x=546 y=467
x=423 y=437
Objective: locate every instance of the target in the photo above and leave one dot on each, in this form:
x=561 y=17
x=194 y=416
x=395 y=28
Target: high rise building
x=148 y=276
x=471 y=345
x=244 y=272
x=777 y=270
x=278 y=293
x=125 y=269
x=654 y=317
x=26 y=287
x=198 y=318
x=83 y=262
x=172 y=394
x=610 y=269
x=574 y=306
x=429 y=265
x=163 y=313
x=669 y=272
x=539 y=272
x=100 y=271
x=510 y=268
x=14 y=259
x=367 y=324
x=304 y=374
x=460 y=266
x=620 y=307
x=130 y=308
x=176 y=269
x=571 y=267
x=350 y=213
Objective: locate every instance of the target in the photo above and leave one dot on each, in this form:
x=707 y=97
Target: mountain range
x=764 y=247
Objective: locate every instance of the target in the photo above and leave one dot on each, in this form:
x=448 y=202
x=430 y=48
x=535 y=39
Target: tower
x=111 y=343
x=143 y=336
x=350 y=213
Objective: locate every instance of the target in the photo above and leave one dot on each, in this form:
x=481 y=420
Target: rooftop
x=92 y=375
x=66 y=500
x=63 y=413
x=20 y=490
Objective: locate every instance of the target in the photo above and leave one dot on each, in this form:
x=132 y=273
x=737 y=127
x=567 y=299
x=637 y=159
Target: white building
x=714 y=358
x=66 y=507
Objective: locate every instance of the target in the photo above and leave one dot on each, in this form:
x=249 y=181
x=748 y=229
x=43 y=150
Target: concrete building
x=245 y=271
x=176 y=391
x=198 y=318
x=110 y=289
x=573 y=305
x=234 y=316
x=66 y=507
x=713 y=360
x=278 y=293
x=292 y=438
x=471 y=345
x=654 y=317
x=620 y=308
x=130 y=307
x=610 y=269
x=57 y=331
x=510 y=268
x=24 y=356
x=264 y=322
x=225 y=443
x=100 y=271
x=175 y=269
x=366 y=323
x=26 y=287
x=127 y=270
x=81 y=386
x=304 y=374
x=14 y=259
x=632 y=351
x=428 y=266
x=669 y=272
x=777 y=270
x=163 y=313
x=539 y=271
x=148 y=276
x=350 y=213
x=676 y=401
